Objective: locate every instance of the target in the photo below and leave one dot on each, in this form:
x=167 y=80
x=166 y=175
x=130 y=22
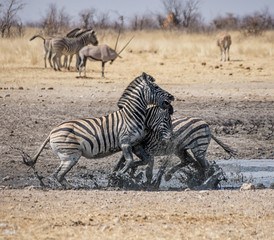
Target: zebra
x=69 y=46
x=47 y=41
x=224 y=42
x=103 y=136
x=188 y=133
x=158 y=129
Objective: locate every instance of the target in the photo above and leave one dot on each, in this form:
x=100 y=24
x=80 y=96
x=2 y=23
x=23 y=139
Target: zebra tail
x=32 y=161
x=35 y=36
x=230 y=151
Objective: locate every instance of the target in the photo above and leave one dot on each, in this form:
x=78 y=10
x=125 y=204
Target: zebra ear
x=144 y=75
x=148 y=77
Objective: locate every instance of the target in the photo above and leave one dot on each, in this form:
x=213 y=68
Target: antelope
x=224 y=42
x=102 y=53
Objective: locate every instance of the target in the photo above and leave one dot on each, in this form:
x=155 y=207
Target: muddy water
x=237 y=172
x=255 y=171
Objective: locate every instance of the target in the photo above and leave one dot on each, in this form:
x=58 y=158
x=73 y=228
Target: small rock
x=203 y=63
x=105 y=227
x=6 y=178
x=247 y=186
x=271 y=186
x=7 y=95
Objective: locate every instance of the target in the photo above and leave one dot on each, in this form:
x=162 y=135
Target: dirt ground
x=236 y=99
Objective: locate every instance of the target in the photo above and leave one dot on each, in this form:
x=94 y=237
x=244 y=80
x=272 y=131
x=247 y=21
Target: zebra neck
x=135 y=115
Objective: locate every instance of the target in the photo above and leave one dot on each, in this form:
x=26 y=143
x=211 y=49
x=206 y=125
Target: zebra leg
x=127 y=152
x=65 y=62
x=54 y=62
x=59 y=63
x=149 y=170
x=68 y=160
x=70 y=59
x=185 y=157
x=200 y=156
x=120 y=164
x=49 y=57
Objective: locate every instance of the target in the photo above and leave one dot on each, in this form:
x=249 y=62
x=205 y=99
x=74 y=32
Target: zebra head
x=142 y=92
x=154 y=94
x=158 y=124
x=89 y=36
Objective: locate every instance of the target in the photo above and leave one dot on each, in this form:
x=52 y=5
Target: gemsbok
x=102 y=53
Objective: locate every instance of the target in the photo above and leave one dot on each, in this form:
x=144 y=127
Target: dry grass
x=165 y=44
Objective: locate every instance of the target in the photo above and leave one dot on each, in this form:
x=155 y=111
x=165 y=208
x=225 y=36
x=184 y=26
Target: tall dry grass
x=166 y=44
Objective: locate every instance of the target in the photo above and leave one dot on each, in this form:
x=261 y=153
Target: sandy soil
x=236 y=98
x=32 y=214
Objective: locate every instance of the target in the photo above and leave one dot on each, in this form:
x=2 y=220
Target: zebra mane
x=144 y=79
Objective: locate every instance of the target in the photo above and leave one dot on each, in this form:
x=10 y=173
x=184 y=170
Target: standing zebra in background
x=224 y=42
x=103 y=136
x=47 y=41
x=188 y=133
x=46 y=46
x=69 y=46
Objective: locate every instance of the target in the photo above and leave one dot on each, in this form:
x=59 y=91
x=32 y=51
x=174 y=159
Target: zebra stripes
x=102 y=136
x=69 y=46
x=188 y=133
x=158 y=130
x=77 y=32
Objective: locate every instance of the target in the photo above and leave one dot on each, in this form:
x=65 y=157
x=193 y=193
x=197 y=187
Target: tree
x=55 y=21
x=185 y=12
x=87 y=17
x=257 y=23
x=228 y=22
x=8 y=16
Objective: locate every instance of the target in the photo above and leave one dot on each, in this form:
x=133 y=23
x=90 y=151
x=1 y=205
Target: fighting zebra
x=103 y=136
x=224 y=42
x=47 y=40
x=188 y=133
x=69 y=46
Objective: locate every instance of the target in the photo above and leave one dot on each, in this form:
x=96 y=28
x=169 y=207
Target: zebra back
x=188 y=133
x=191 y=132
x=69 y=46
